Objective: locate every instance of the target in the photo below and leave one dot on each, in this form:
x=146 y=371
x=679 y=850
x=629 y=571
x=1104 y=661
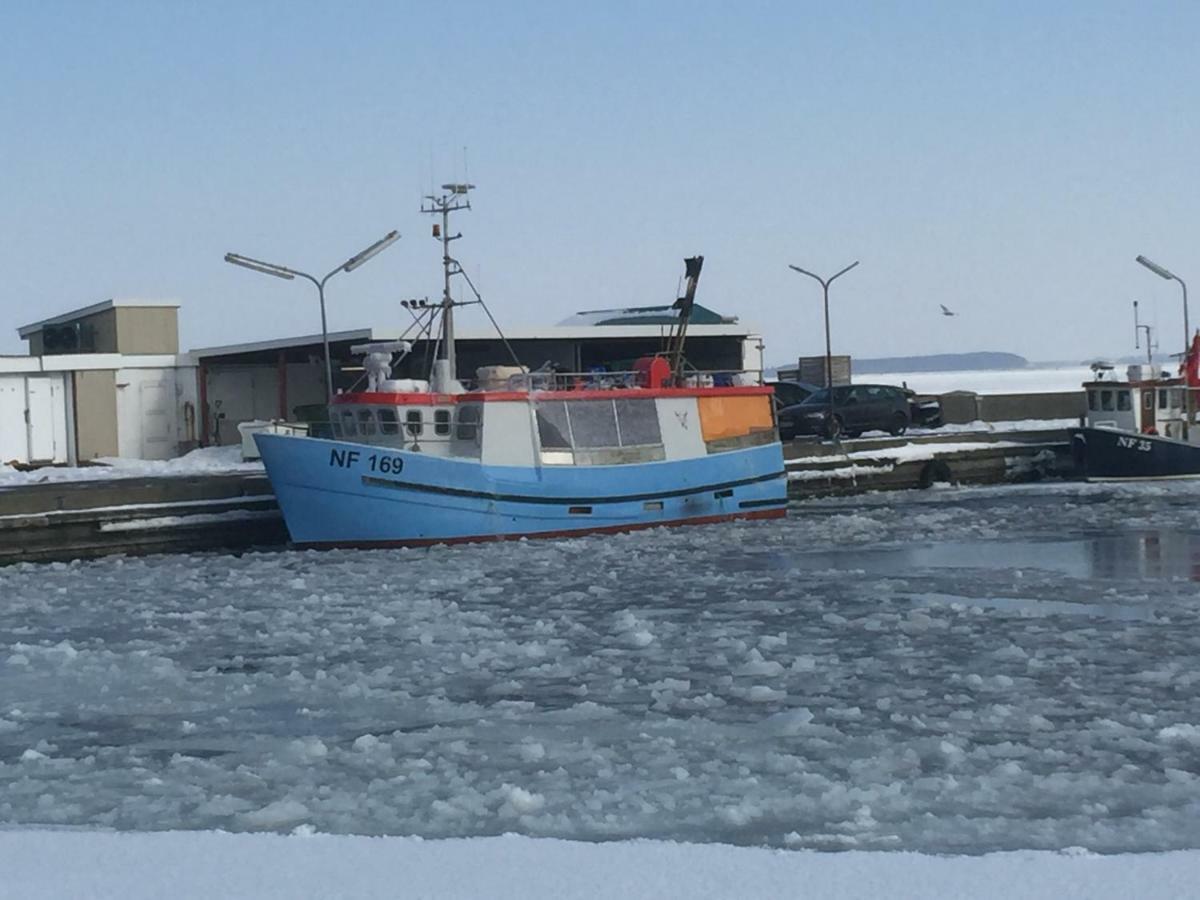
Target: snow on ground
x=1015 y=425
x=950 y=671
x=48 y=865
x=903 y=453
x=1042 y=380
x=204 y=461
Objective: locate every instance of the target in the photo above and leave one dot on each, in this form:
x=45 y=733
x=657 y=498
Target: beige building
x=102 y=380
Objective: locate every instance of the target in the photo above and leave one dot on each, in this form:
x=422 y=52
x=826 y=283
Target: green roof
x=647 y=315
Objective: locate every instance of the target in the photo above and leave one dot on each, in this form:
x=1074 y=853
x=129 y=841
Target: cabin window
x=349 y=429
x=388 y=423
x=1162 y=399
x=593 y=423
x=1106 y=401
x=1092 y=405
x=366 y=422
x=1177 y=398
x=468 y=422
x=414 y=422
x=1123 y=402
x=441 y=421
x=637 y=421
x=553 y=429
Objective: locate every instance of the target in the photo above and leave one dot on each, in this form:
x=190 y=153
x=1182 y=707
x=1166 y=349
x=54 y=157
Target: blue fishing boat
x=522 y=453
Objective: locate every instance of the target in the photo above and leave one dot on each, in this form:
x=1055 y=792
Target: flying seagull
x=946 y=312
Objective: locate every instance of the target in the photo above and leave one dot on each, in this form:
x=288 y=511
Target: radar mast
x=454 y=198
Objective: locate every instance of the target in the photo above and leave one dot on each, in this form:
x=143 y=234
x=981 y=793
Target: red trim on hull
x=416 y=399
x=570 y=532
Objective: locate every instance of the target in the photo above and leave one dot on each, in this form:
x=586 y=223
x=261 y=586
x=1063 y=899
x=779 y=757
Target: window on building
x=1123 y=401
x=414 y=422
x=388 y=422
x=441 y=421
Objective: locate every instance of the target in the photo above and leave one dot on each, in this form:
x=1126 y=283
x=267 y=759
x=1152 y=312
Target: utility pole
x=825 y=283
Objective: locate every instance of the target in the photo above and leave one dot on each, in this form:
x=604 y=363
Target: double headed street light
x=1171 y=276
x=284 y=272
x=825 y=283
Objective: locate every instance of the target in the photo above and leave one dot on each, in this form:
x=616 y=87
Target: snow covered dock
x=817 y=468
x=208 y=499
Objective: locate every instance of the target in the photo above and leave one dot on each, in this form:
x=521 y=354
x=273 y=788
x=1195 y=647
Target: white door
x=14 y=433
x=155 y=398
x=39 y=419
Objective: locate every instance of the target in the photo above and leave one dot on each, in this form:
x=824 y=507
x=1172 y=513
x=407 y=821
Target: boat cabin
x=1147 y=401
x=582 y=420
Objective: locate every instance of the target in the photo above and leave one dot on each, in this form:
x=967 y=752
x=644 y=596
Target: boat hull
x=344 y=494
x=1105 y=454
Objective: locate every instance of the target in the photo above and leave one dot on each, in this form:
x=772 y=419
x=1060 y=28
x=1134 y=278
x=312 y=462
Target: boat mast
x=684 y=304
x=445 y=369
x=1137 y=329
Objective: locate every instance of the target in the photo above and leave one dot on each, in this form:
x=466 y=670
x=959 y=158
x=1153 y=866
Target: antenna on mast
x=453 y=199
x=1137 y=328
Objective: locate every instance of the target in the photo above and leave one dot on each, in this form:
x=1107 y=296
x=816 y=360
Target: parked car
x=856 y=408
x=791 y=393
x=925 y=410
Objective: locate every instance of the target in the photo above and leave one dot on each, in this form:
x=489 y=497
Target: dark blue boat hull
x=1108 y=454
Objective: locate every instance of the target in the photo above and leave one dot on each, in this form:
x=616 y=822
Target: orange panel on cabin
x=725 y=417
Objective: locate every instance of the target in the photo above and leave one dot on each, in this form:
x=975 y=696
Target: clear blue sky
x=1006 y=159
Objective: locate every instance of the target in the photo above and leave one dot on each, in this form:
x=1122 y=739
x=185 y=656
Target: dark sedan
x=791 y=393
x=856 y=408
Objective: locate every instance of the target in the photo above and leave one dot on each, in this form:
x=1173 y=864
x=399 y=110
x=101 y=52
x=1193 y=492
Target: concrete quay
x=827 y=468
x=81 y=519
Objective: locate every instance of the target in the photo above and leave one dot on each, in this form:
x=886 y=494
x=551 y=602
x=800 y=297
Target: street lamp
x=284 y=272
x=825 y=283
x=1171 y=276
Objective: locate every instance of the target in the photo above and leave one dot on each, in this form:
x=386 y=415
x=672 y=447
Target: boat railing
x=604 y=379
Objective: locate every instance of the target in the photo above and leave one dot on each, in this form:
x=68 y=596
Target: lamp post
x=1171 y=276
x=825 y=283
x=284 y=272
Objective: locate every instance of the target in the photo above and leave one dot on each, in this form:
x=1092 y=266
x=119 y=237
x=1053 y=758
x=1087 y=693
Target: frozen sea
x=954 y=671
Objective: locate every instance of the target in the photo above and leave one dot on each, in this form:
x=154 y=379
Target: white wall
x=150 y=411
x=679 y=421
